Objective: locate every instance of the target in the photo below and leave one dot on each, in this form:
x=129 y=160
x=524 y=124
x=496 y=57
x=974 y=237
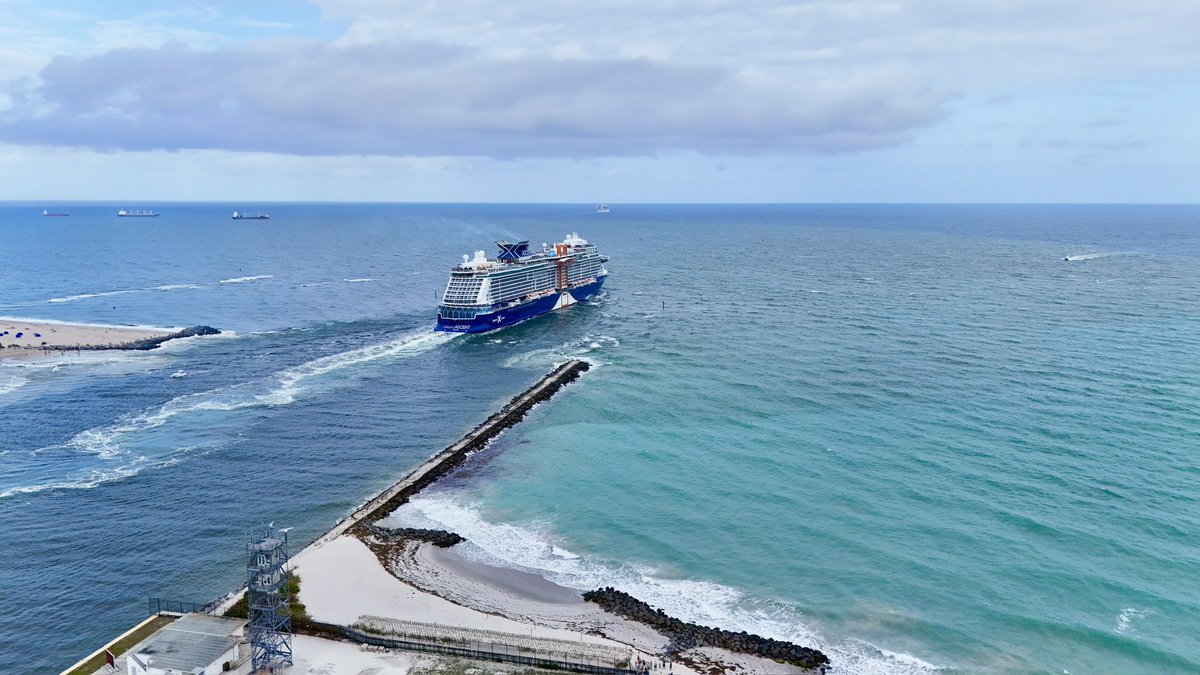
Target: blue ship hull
x=512 y=315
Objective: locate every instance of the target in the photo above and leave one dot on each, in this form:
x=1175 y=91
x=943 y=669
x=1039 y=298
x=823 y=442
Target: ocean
x=920 y=438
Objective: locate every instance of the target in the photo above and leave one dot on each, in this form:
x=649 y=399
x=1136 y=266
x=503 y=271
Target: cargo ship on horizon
x=486 y=294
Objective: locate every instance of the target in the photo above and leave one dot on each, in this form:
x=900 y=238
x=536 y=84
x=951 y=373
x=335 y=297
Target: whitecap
x=1091 y=256
x=174 y=287
x=85 y=296
x=242 y=280
x=1126 y=618
x=363 y=280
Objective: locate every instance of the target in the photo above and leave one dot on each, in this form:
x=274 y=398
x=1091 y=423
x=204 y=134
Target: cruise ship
x=518 y=284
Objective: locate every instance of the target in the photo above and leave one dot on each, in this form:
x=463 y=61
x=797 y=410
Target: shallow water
x=915 y=437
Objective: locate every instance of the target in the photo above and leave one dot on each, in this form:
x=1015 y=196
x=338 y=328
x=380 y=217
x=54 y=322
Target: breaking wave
x=85 y=296
x=103 y=294
x=534 y=548
x=243 y=280
x=10 y=382
x=175 y=287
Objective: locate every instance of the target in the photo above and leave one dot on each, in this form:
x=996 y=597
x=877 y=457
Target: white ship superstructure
x=484 y=294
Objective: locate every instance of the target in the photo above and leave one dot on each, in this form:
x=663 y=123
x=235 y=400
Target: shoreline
x=360 y=569
x=29 y=339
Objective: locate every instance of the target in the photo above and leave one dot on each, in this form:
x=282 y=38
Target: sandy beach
x=343 y=581
x=379 y=577
x=26 y=339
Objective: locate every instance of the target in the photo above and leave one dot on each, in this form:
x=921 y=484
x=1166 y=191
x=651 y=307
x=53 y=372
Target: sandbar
x=27 y=338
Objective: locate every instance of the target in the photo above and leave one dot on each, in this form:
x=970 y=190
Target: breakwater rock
x=439 y=538
x=145 y=344
x=686 y=635
x=152 y=343
x=453 y=456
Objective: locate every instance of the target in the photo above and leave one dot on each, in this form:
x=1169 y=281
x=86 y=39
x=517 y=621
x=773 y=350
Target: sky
x=601 y=101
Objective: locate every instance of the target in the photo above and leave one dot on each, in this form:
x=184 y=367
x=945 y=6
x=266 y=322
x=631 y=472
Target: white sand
x=341 y=580
x=38 y=334
x=316 y=656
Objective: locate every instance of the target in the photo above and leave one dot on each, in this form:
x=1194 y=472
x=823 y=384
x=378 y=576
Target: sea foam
x=127 y=439
x=533 y=547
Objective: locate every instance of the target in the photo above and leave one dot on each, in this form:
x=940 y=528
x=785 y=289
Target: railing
x=161 y=606
x=477 y=651
x=555 y=649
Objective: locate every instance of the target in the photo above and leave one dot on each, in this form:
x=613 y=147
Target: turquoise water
x=913 y=436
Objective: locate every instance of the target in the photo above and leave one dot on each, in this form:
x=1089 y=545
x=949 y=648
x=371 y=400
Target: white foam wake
x=291 y=381
x=131 y=440
x=96 y=477
x=242 y=280
x=534 y=548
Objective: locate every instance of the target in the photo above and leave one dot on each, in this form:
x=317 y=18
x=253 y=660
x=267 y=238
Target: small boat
x=46 y=212
x=126 y=213
x=602 y=208
x=244 y=215
x=178 y=374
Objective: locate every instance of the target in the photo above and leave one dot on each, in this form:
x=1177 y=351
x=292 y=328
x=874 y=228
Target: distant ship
x=45 y=212
x=602 y=208
x=250 y=216
x=517 y=284
x=124 y=213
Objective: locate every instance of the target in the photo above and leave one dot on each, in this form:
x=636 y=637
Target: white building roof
x=191 y=641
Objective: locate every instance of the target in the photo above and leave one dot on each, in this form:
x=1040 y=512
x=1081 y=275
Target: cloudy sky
x=606 y=100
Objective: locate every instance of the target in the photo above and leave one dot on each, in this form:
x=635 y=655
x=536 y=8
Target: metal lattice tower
x=270 y=611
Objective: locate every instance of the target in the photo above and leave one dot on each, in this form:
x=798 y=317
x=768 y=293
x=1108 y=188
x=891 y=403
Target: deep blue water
x=914 y=436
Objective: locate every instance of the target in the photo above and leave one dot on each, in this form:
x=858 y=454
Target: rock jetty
x=453 y=456
x=686 y=635
x=154 y=342
x=439 y=538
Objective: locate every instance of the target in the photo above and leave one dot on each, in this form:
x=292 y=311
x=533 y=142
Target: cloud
x=602 y=78
x=438 y=99
x=958 y=44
